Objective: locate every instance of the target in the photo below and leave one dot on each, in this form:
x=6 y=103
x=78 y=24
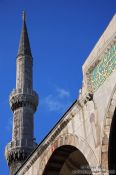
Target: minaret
x=23 y=103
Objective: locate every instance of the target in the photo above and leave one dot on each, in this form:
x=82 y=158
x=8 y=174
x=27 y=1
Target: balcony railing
x=20 y=143
x=23 y=91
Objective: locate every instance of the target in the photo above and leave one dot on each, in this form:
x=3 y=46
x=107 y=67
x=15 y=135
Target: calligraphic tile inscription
x=103 y=70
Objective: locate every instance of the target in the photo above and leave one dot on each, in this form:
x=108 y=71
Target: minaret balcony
x=16 y=145
x=27 y=98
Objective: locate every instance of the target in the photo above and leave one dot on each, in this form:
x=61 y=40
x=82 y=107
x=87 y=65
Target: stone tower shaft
x=23 y=103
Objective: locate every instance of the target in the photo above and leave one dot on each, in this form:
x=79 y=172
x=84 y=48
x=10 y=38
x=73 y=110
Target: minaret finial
x=24 y=15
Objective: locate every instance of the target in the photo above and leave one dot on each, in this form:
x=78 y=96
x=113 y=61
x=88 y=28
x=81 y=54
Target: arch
x=70 y=144
x=108 y=122
x=112 y=146
x=67 y=160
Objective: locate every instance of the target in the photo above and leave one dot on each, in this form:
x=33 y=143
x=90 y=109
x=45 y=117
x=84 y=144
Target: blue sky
x=62 y=33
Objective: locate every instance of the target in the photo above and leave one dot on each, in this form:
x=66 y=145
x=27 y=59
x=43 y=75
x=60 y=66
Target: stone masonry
x=82 y=142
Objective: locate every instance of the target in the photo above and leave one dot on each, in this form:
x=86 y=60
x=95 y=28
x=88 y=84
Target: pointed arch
x=107 y=130
x=71 y=143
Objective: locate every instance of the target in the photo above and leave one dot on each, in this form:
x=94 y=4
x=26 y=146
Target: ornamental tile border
x=93 y=85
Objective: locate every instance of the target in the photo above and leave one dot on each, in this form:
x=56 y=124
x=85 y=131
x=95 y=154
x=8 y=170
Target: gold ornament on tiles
x=103 y=70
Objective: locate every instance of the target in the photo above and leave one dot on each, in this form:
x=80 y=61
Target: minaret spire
x=24 y=45
x=23 y=103
x=23 y=15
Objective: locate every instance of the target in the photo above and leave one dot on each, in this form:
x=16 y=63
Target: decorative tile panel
x=103 y=70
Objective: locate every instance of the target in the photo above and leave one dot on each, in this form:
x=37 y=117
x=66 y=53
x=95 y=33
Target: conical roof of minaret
x=24 y=45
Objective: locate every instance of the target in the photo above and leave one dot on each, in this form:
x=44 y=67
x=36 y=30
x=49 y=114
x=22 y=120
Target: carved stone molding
x=23 y=99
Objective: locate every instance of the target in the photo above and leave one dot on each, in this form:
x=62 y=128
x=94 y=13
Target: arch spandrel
x=71 y=140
